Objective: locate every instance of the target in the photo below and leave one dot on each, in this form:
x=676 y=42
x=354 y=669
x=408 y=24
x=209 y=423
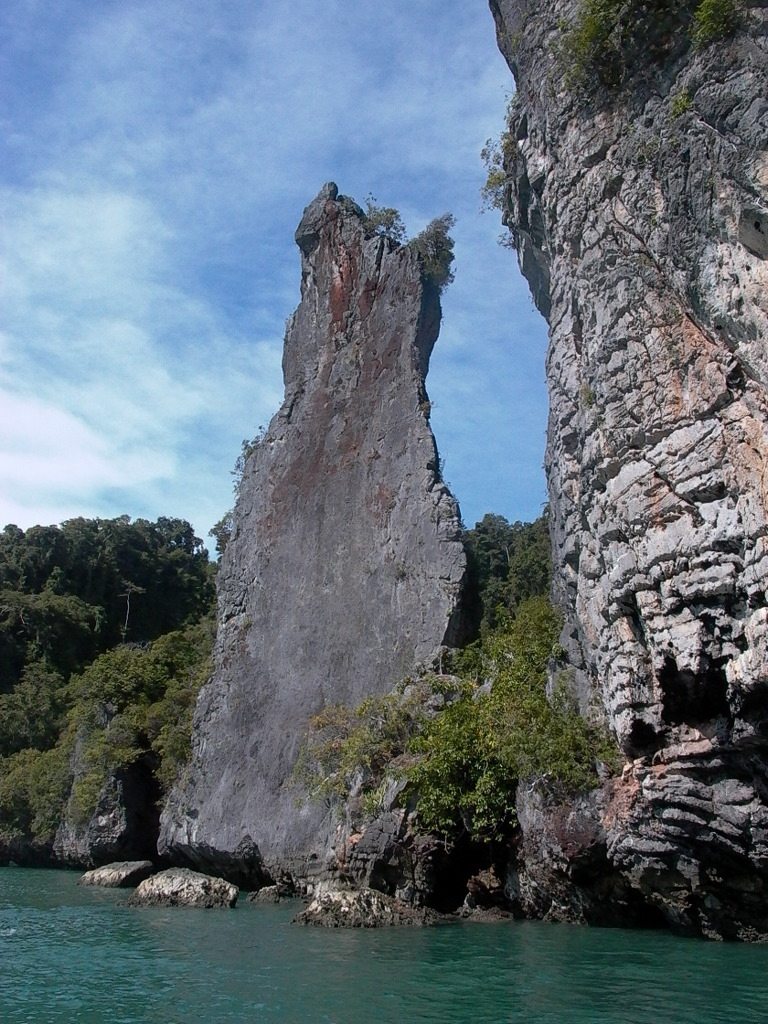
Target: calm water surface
x=75 y=955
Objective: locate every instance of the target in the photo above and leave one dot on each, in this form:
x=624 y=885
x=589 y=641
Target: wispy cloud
x=159 y=159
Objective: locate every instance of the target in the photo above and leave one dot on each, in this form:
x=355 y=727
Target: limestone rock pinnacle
x=345 y=567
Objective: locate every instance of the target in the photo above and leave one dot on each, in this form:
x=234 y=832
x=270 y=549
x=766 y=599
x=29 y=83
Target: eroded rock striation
x=345 y=565
x=640 y=215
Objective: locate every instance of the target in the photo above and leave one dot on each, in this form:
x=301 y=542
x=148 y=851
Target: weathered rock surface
x=23 y=851
x=362 y=908
x=122 y=874
x=267 y=894
x=389 y=853
x=180 y=887
x=345 y=565
x=640 y=222
x=123 y=825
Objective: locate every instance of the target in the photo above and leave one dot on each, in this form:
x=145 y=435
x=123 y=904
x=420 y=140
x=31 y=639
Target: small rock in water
x=122 y=874
x=180 y=887
x=362 y=908
x=267 y=894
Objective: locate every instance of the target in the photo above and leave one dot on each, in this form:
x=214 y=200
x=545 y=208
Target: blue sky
x=158 y=156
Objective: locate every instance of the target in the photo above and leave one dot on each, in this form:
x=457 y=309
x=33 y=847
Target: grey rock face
x=122 y=874
x=641 y=225
x=345 y=565
x=180 y=887
x=124 y=823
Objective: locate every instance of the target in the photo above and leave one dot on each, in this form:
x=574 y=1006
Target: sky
x=158 y=156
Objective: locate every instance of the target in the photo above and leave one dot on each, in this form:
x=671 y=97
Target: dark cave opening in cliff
x=457 y=866
x=643 y=739
x=693 y=698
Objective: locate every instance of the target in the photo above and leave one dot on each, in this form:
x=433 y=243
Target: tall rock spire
x=345 y=567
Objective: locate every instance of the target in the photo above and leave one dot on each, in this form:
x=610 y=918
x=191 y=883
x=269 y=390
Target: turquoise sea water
x=75 y=955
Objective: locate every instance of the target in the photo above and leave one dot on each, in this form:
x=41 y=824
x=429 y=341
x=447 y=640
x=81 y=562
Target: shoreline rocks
x=267 y=894
x=123 y=874
x=181 y=887
x=362 y=908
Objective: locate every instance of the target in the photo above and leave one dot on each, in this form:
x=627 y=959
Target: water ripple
x=79 y=955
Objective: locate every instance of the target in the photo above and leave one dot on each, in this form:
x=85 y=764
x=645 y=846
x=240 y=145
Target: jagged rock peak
x=345 y=568
x=640 y=213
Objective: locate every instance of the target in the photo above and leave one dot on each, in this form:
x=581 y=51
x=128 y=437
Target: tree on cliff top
x=384 y=221
x=434 y=244
x=435 y=247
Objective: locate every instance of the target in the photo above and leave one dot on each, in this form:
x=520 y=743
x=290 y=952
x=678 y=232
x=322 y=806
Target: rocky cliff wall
x=345 y=566
x=640 y=215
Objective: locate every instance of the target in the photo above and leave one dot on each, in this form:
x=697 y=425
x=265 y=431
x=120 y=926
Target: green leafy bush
x=384 y=221
x=462 y=764
x=347 y=747
x=496 y=155
x=713 y=20
x=434 y=246
x=33 y=789
x=474 y=753
x=138 y=702
x=681 y=103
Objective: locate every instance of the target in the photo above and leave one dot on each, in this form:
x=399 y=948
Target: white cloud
x=159 y=163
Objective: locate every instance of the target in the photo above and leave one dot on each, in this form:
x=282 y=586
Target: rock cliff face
x=124 y=824
x=641 y=221
x=345 y=565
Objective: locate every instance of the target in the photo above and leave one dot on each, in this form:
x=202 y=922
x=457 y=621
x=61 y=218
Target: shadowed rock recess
x=640 y=216
x=345 y=566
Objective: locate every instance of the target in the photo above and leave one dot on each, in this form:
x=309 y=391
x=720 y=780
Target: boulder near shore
x=362 y=908
x=181 y=887
x=122 y=874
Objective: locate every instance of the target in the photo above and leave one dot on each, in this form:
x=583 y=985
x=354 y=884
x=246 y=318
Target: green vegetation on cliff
x=105 y=634
x=607 y=39
x=433 y=245
x=502 y=730
x=461 y=743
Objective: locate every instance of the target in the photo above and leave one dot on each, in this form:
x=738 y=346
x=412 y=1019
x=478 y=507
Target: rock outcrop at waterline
x=124 y=874
x=345 y=565
x=641 y=221
x=180 y=887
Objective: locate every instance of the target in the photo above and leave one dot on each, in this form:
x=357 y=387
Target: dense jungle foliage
x=106 y=627
x=508 y=563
